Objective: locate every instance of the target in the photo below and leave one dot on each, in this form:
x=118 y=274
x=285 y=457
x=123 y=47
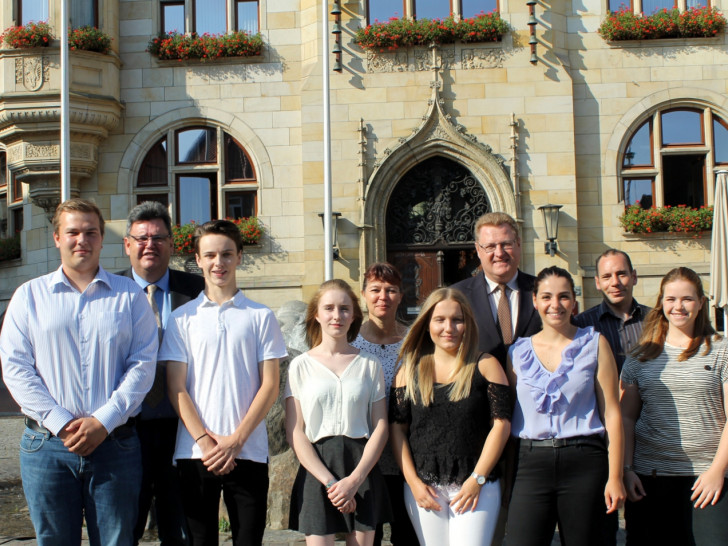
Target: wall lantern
x=335 y=229
x=551 y=221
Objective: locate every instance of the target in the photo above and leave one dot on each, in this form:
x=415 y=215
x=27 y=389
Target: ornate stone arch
x=229 y=122
x=629 y=122
x=436 y=136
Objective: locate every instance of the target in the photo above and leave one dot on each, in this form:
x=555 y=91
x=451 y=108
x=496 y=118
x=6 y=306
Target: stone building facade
x=422 y=139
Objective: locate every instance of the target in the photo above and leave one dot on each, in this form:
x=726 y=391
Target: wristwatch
x=478 y=478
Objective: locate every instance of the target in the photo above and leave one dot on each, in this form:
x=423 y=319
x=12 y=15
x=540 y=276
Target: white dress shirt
x=68 y=354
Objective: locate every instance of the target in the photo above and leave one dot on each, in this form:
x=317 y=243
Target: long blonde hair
x=417 y=352
x=654 y=330
x=313 y=328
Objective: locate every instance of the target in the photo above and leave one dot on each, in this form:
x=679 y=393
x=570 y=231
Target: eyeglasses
x=506 y=246
x=157 y=240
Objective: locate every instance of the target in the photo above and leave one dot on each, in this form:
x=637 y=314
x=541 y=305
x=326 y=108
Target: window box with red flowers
x=405 y=32
x=702 y=22
x=680 y=219
x=183 y=47
x=27 y=36
x=89 y=39
x=183 y=235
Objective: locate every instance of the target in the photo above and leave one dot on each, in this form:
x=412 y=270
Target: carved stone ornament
x=31 y=72
x=419 y=59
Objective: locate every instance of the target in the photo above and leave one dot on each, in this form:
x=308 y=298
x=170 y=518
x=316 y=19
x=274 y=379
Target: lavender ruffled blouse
x=559 y=404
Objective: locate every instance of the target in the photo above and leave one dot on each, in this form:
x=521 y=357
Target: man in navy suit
x=498 y=245
x=149 y=245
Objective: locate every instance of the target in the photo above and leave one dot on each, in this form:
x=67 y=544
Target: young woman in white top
x=381 y=335
x=336 y=422
x=675 y=393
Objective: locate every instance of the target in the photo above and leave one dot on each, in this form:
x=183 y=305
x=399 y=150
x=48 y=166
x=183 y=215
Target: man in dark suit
x=149 y=245
x=499 y=248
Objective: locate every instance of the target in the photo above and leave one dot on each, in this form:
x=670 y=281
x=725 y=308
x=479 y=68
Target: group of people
x=497 y=413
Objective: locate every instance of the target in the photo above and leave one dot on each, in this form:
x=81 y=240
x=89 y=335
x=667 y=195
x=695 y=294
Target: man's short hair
x=149 y=210
x=219 y=227
x=496 y=219
x=77 y=205
x=613 y=252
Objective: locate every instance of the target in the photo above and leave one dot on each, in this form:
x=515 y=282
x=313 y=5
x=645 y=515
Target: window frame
x=660 y=151
x=162 y=23
x=95 y=23
x=21 y=21
x=456 y=8
x=236 y=22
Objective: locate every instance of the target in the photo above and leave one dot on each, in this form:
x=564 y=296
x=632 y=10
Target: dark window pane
x=237 y=164
x=240 y=204
x=3 y=216
x=639 y=191
x=683 y=177
x=682 y=127
x=18 y=219
x=383 y=10
x=162 y=198
x=33 y=10
x=153 y=171
x=639 y=150
x=17 y=190
x=247 y=16
x=196 y=198
x=197 y=146
x=210 y=17
x=3 y=170
x=651 y=6
x=471 y=8
x=173 y=18
x=432 y=9
x=720 y=141
x=83 y=13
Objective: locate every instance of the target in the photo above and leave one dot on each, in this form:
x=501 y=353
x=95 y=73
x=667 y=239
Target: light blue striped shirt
x=67 y=354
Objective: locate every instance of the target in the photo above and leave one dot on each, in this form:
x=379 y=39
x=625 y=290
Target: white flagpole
x=65 y=108
x=328 y=239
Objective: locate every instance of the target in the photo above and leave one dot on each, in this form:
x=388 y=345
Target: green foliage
x=89 y=38
x=183 y=235
x=27 y=36
x=672 y=219
x=10 y=248
x=404 y=32
x=180 y=47
x=700 y=22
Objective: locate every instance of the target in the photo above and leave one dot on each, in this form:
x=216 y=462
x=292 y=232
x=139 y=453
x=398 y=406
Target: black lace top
x=446 y=438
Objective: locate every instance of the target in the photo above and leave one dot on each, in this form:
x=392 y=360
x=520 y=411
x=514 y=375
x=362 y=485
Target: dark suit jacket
x=489 y=337
x=183 y=287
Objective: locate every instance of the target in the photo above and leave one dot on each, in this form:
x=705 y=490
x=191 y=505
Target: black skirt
x=311 y=510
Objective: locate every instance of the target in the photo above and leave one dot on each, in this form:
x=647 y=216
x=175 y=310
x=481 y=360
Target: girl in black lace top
x=450 y=416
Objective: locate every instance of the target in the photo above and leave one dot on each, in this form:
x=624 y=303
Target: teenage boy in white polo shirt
x=222 y=352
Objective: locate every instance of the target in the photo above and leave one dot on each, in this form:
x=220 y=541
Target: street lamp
x=551 y=221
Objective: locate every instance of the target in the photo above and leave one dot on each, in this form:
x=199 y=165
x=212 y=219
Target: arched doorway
x=429 y=225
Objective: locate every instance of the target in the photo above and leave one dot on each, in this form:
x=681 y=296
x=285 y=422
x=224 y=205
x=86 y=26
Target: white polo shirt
x=222 y=346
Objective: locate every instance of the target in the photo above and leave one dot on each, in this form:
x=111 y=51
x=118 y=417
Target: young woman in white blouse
x=336 y=422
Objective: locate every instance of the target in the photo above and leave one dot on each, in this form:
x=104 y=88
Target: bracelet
x=201 y=437
x=628 y=468
x=330 y=483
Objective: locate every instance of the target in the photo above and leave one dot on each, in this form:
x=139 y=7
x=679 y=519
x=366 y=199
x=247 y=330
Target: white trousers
x=448 y=528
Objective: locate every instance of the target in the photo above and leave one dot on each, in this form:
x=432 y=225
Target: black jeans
x=160 y=480
x=666 y=515
x=245 y=491
x=563 y=485
x=401 y=526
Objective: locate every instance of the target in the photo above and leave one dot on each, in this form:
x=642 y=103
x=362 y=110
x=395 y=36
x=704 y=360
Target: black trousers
x=666 y=515
x=159 y=480
x=245 y=491
x=402 y=532
x=564 y=486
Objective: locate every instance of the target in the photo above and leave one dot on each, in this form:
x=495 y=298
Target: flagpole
x=65 y=107
x=328 y=240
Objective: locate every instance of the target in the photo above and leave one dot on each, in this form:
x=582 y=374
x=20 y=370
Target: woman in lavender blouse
x=568 y=423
